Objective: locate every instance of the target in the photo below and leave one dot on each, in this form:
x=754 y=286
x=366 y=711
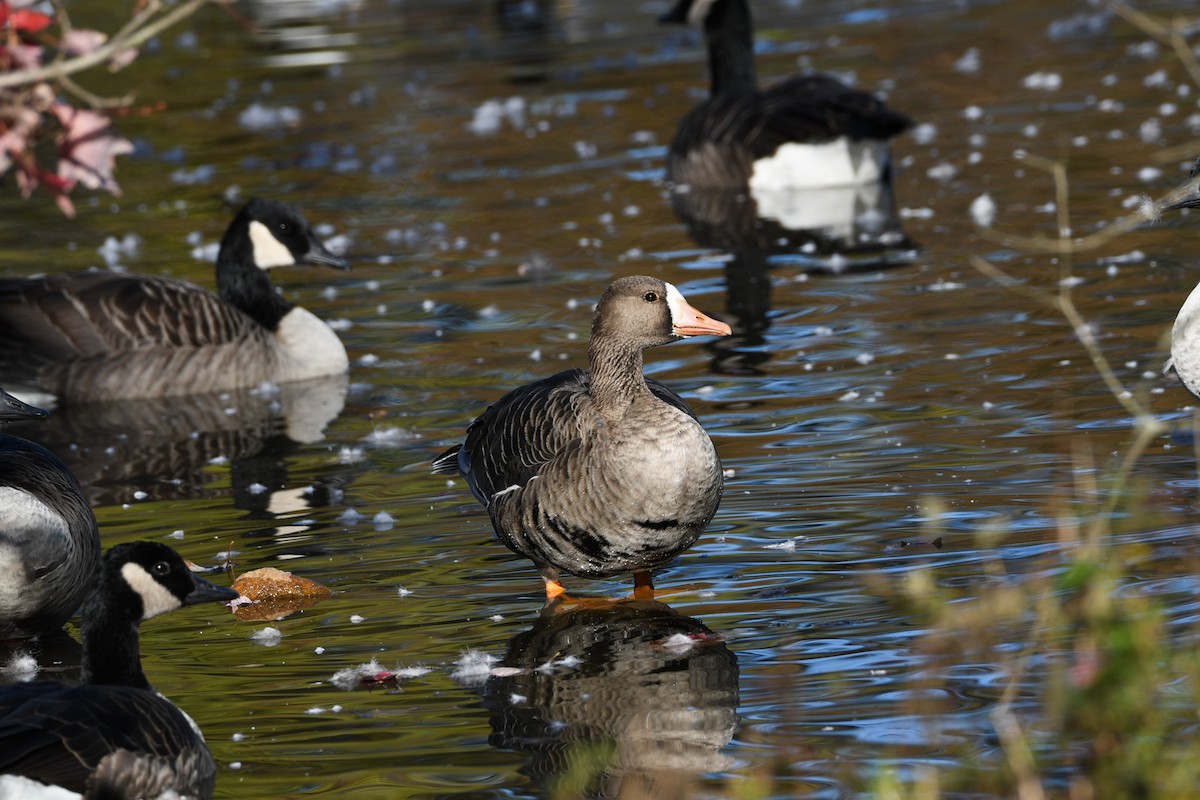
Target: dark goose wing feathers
x=59 y=735
x=524 y=430
x=85 y=315
x=809 y=109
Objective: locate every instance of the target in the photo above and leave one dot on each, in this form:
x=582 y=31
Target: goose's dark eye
x=650 y=297
x=283 y=226
x=162 y=568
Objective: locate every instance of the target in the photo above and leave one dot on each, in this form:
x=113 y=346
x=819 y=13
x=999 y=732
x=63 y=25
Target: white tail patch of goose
x=678 y=307
x=810 y=166
x=156 y=598
x=268 y=251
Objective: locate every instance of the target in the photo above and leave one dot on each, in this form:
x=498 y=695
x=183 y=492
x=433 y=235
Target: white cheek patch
x=680 y=310
x=155 y=597
x=268 y=251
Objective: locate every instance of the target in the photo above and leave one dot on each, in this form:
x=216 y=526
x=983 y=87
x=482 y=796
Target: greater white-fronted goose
x=49 y=542
x=599 y=472
x=807 y=132
x=112 y=736
x=107 y=335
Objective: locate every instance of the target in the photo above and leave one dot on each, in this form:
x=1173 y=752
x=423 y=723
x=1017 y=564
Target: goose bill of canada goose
x=49 y=540
x=599 y=472
x=112 y=736
x=92 y=336
x=807 y=132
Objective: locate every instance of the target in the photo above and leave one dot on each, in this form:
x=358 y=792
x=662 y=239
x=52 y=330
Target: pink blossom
x=23 y=56
x=89 y=148
x=81 y=42
x=15 y=140
x=122 y=58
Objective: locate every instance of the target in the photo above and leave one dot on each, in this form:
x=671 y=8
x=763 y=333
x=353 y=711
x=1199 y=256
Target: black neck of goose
x=730 y=34
x=616 y=379
x=245 y=286
x=111 y=646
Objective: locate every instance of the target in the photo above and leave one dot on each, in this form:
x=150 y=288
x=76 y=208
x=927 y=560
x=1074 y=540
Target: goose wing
x=809 y=109
x=59 y=735
x=75 y=316
x=518 y=435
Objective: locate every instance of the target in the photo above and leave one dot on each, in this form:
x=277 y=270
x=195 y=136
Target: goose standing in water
x=807 y=132
x=599 y=472
x=112 y=736
x=106 y=335
x=49 y=542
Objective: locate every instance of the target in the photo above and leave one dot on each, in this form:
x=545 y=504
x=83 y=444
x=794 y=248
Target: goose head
x=277 y=235
x=644 y=311
x=146 y=579
x=14 y=410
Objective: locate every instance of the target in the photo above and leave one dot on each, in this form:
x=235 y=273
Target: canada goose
x=113 y=736
x=49 y=542
x=107 y=335
x=807 y=132
x=599 y=472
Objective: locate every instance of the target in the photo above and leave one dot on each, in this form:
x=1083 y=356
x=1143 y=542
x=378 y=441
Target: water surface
x=850 y=408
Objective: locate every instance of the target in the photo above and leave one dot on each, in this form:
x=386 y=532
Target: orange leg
x=643 y=586
x=554 y=589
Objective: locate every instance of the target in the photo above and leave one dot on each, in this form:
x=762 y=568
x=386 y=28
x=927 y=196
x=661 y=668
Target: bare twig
x=1146 y=424
x=91 y=98
x=1172 y=34
x=137 y=31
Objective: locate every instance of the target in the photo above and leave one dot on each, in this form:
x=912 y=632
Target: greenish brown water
x=862 y=402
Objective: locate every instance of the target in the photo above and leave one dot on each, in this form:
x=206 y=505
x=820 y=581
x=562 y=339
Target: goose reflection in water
x=654 y=690
x=165 y=448
x=834 y=230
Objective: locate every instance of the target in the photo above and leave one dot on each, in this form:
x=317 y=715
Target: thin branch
x=1169 y=33
x=91 y=98
x=124 y=40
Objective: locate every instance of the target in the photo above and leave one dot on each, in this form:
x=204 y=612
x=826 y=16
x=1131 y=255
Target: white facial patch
x=156 y=599
x=269 y=252
x=679 y=307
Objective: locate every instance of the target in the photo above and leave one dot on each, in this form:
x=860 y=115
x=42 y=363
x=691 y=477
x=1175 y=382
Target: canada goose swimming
x=599 y=472
x=113 y=736
x=105 y=335
x=807 y=132
x=49 y=542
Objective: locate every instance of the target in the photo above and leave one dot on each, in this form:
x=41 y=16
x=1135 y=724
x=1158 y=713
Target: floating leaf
x=276 y=594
